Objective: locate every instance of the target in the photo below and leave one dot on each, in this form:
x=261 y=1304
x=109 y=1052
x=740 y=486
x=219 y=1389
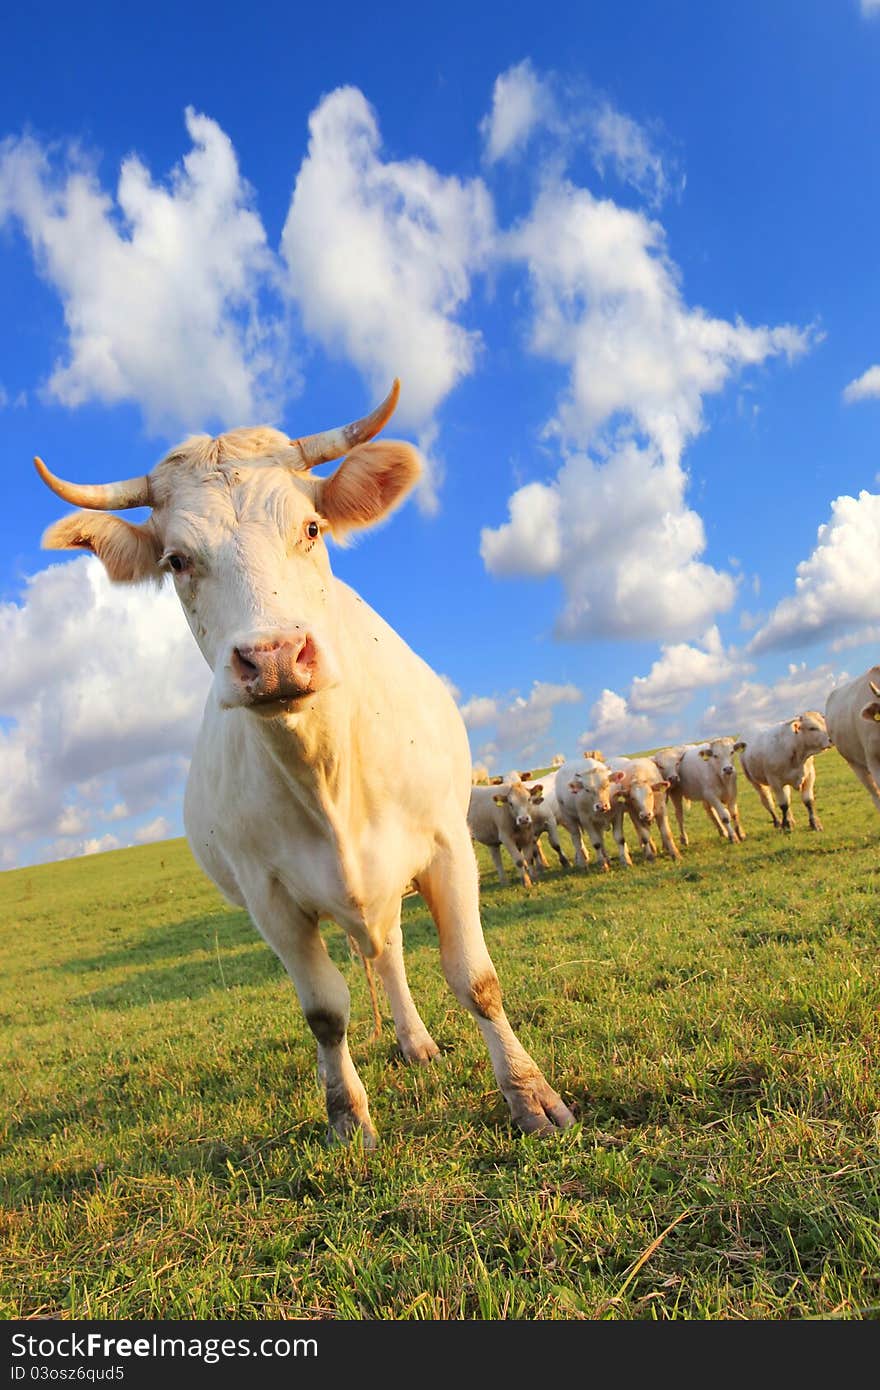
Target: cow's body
x=706 y=772
x=641 y=794
x=781 y=757
x=583 y=798
x=852 y=714
x=332 y=767
x=502 y=815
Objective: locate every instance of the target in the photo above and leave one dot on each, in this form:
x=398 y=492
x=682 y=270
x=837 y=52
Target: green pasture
x=714 y=1025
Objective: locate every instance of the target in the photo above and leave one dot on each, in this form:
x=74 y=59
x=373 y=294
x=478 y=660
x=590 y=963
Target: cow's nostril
x=243 y=667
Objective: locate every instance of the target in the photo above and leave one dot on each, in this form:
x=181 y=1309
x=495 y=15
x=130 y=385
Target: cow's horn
x=874 y=688
x=332 y=444
x=101 y=497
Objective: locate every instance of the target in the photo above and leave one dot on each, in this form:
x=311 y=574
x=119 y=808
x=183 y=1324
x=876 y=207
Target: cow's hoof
x=421 y=1051
x=537 y=1109
x=816 y=825
x=343 y=1129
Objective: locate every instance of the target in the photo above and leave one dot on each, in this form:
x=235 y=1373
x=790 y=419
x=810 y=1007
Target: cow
x=852 y=714
x=667 y=761
x=501 y=814
x=545 y=819
x=640 y=793
x=332 y=766
x=706 y=772
x=583 y=794
x=782 y=756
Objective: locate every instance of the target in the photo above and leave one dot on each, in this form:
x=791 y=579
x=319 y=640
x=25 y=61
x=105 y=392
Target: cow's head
x=718 y=752
x=812 y=731
x=517 y=801
x=595 y=783
x=644 y=797
x=240 y=524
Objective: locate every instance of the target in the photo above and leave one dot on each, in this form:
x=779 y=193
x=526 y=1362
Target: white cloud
x=614 y=524
x=160 y=289
x=522 y=723
x=862 y=637
x=680 y=671
x=753 y=704
x=838 y=585
x=100 y=845
x=103 y=701
x=622 y=144
x=870 y=7
x=380 y=258
x=157 y=829
x=615 y=728
x=521 y=101
x=868 y=384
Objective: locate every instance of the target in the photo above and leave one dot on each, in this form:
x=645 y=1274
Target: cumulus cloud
x=838 y=585
x=380 y=257
x=753 y=705
x=522 y=724
x=614 y=726
x=614 y=524
x=100 y=844
x=156 y=829
x=521 y=101
x=681 y=670
x=870 y=7
x=101 y=705
x=867 y=385
x=571 y=115
x=160 y=287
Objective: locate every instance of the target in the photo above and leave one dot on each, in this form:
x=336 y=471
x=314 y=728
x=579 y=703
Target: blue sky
x=625 y=264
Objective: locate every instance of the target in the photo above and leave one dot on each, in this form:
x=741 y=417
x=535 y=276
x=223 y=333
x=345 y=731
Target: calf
x=583 y=796
x=706 y=773
x=852 y=714
x=545 y=819
x=781 y=757
x=501 y=814
x=641 y=794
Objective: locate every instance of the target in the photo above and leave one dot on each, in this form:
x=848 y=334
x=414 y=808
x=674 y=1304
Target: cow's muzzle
x=274 y=670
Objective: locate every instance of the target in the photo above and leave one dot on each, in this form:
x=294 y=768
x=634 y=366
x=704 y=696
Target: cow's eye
x=178 y=563
x=313 y=530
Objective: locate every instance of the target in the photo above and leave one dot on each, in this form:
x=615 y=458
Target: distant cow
x=332 y=766
x=852 y=713
x=545 y=819
x=641 y=794
x=584 y=790
x=781 y=757
x=706 y=772
x=501 y=814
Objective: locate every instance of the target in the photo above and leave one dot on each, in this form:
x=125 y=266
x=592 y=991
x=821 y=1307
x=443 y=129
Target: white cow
x=545 y=818
x=706 y=772
x=584 y=789
x=852 y=713
x=332 y=766
x=780 y=757
x=640 y=793
x=501 y=814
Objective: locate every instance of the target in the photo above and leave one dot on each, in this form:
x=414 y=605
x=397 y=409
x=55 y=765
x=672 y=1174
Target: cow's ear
x=537 y=792
x=705 y=754
x=659 y=786
x=740 y=743
x=872 y=711
x=369 y=483
x=795 y=726
x=128 y=553
x=617 y=776
x=575 y=786
x=499 y=799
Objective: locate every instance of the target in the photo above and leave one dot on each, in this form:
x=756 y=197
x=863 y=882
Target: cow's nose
x=523 y=820
x=645 y=817
x=274 y=668
x=727 y=770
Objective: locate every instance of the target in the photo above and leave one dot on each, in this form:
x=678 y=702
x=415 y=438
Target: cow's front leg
x=450 y=887
x=806 y=789
x=677 y=800
x=623 y=853
x=577 y=841
x=517 y=856
x=720 y=818
x=553 y=837
x=495 y=851
x=666 y=833
x=324 y=997
x=415 y=1041
x=767 y=802
x=785 y=808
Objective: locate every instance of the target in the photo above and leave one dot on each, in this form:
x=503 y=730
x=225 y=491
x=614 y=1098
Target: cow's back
x=854 y=737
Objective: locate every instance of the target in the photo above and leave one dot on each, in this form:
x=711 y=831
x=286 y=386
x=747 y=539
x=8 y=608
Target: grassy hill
x=714 y=1025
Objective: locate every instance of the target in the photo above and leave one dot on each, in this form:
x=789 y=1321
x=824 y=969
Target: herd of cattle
x=332 y=768
x=591 y=795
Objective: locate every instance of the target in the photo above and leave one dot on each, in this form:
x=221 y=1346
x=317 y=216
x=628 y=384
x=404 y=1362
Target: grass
x=714 y=1025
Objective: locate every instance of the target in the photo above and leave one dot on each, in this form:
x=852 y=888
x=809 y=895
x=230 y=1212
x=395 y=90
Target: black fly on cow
x=299 y=804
